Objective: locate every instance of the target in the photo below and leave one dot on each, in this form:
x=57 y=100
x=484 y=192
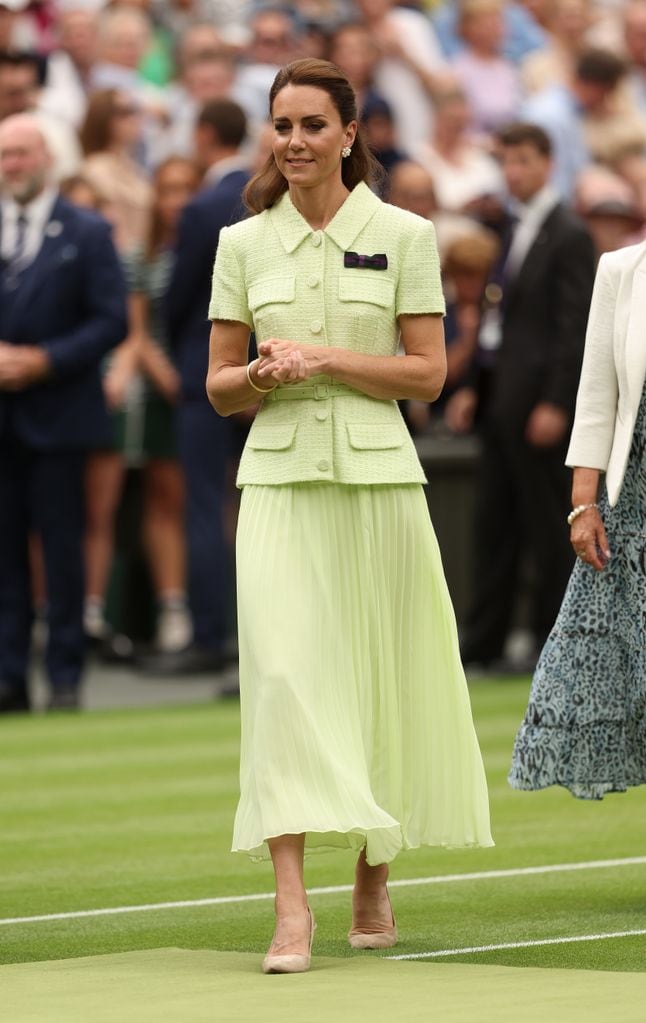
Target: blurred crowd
x=148 y=105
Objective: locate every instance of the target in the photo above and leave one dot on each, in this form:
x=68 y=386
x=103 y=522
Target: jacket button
x=323 y=465
x=321 y=414
x=316 y=239
x=312 y=281
x=316 y=326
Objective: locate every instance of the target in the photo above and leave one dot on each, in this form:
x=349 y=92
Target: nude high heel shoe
x=369 y=936
x=291 y=963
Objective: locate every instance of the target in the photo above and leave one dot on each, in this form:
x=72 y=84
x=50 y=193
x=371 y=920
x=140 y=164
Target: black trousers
x=204 y=441
x=522 y=503
x=41 y=491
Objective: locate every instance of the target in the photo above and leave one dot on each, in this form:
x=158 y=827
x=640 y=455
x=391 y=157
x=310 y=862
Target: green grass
x=131 y=807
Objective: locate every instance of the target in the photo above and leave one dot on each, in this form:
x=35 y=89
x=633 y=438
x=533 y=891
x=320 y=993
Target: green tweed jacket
x=282 y=279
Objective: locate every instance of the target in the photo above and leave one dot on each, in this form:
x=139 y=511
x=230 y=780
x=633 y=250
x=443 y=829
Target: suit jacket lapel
x=53 y=240
x=533 y=253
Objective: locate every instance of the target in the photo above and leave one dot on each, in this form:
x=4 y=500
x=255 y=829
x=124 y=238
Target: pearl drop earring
x=345 y=152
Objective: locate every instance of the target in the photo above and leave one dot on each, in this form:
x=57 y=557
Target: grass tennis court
x=127 y=808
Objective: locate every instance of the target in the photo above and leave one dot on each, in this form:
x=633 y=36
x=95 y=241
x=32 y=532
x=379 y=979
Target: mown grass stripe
x=221 y=900
x=564 y=940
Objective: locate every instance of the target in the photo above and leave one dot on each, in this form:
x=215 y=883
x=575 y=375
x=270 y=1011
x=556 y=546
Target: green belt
x=294 y=392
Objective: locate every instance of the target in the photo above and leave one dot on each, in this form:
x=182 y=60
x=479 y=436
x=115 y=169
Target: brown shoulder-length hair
x=156 y=230
x=267 y=186
x=95 y=132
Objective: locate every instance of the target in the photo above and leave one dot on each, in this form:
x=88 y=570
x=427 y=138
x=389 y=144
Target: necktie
x=490 y=333
x=17 y=256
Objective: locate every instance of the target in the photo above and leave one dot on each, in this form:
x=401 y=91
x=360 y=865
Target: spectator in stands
x=561 y=109
x=410 y=68
x=631 y=168
x=198 y=40
x=523 y=32
x=567 y=25
x=527 y=365
x=274 y=42
x=125 y=37
x=204 y=439
x=142 y=386
x=467 y=264
x=205 y=77
x=19 y=85
x=462 y=171
x=109 y=134
x=70 y=66
x=411 y=187
x=609 y=206
x=490 y=81
x=355 y=51
x=379 y=130
x=634 y=23
x=228 y=17
x=62 y=309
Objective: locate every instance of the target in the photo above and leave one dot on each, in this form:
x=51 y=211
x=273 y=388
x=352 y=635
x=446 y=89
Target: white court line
x=518 y=944
x=222 y=900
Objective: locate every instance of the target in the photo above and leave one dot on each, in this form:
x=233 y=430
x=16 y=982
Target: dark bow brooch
x=377 y=262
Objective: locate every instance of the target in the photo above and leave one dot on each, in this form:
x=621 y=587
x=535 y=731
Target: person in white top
x=463 y=172
x=584 y=725
x=69 y=67
x=411 y=69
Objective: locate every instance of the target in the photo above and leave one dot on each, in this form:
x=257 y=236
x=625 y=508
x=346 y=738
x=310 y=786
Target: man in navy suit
x=62 y=307
x=205 y=438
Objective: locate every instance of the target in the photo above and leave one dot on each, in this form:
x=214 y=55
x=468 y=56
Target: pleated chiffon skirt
x=356 y=721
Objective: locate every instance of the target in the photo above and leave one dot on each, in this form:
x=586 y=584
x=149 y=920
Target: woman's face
x=175 y=185
x=308 y=136
x=125 y=126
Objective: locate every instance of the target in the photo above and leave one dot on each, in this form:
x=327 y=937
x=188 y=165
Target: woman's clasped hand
x=286 y=362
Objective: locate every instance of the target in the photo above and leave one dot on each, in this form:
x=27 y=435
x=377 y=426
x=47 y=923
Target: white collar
x=540 y=204
x=38 y=209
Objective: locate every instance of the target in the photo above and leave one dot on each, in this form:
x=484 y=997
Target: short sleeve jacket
x=345 y=287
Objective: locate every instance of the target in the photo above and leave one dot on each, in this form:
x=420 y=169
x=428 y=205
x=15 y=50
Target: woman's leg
x=371 y=909
x=104 y=474
x=165 y=545
x=292 y=934
x=163 y=525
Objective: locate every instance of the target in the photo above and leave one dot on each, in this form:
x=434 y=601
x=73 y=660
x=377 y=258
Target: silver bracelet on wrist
x=580 y=508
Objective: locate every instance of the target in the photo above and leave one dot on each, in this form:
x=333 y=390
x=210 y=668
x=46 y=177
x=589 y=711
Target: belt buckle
x=321 y=391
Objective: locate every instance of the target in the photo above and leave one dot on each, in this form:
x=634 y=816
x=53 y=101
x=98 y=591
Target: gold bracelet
x=261 y=390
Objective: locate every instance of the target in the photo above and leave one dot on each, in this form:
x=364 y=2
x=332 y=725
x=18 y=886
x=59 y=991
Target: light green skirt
x=356 y=722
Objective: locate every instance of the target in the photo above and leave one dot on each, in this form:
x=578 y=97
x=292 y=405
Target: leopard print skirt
x=585 y=724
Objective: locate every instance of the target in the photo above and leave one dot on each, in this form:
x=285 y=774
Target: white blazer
x=614 y=367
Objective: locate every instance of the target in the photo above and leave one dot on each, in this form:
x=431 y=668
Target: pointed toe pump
x=374 y=936
x=291 y=963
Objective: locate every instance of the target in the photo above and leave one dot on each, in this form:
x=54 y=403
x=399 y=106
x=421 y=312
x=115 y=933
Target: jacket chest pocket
x=370 y=303
x=271 y=304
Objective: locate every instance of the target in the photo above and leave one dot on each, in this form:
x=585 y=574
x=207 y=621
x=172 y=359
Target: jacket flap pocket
x=374 y=436
x=358 y=288
x=271 y=289
x=272 y=438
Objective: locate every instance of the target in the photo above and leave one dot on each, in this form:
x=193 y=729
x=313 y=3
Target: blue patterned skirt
x=585 y=724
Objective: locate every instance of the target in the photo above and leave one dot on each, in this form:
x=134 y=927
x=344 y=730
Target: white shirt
x=38 y=212
x=531 y=216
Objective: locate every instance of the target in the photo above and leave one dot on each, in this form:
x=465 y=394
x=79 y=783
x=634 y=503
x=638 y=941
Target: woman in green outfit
x=356 y=724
